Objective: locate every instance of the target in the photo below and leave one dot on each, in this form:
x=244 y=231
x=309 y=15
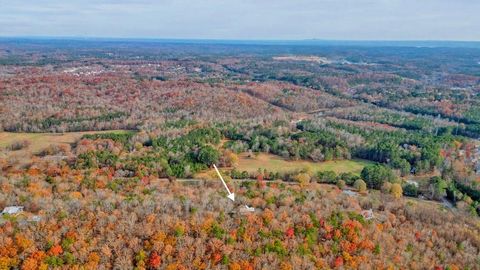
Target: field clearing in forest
x=274 y=163
x=278 y=164
x=39 y=141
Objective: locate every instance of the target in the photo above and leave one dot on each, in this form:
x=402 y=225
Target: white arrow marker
x=231 y=196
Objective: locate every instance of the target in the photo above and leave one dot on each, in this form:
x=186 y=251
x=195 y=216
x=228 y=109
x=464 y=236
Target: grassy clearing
x=279 y=164
x=39 y=141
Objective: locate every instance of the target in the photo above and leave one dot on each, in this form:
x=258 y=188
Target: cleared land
x=276 y=163
x=39 y=141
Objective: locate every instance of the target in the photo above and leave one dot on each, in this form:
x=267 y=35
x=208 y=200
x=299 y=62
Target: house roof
x=12 y=210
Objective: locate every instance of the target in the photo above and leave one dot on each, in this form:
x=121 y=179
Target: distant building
x=246 y=209
x=350 y=193
x=368 y=214
x=12 y=210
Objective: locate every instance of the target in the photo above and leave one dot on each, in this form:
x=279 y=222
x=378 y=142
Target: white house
x=350 y=193
x=12 y=210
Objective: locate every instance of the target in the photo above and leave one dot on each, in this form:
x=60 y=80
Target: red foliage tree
x=154 y=261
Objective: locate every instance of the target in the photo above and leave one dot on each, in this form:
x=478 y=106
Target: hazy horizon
x=273 y=40
x=344 y=20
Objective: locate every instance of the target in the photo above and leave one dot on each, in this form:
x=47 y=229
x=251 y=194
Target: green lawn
x=278 y=164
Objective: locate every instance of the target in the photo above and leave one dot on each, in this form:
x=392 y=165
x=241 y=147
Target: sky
x=244 y=19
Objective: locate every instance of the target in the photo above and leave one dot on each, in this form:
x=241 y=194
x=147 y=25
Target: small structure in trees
x=367 y=214
x=12 y=210
x=350 y=193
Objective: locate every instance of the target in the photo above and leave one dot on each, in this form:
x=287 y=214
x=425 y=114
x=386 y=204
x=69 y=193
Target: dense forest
x=136 y=189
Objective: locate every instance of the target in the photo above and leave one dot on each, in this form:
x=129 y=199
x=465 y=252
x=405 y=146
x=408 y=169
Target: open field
x=276 y=163
x=39 y=141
